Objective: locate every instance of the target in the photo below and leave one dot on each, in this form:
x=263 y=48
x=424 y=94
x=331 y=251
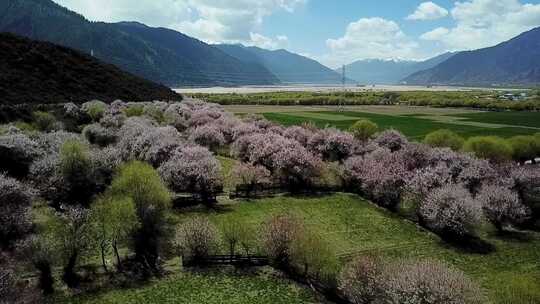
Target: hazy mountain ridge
x=380 y=71
x=514 y=62
x=288 y=67
x=158 y=54
x=41 y=72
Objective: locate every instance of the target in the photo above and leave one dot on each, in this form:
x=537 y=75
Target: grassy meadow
x=417 y=125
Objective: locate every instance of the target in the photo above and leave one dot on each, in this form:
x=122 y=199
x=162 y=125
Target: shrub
x=76 y=169
x=142 y=184
x=380 y=175
x=193 y=169
x=364 y=130
x=95 y=109
x=523 y=148
x=300 y=134
x=287 y=159
x=112 y=220
x=391 y=139
x=332 y=144
x=15 y=203
x=40 y=251
x=69 y=231
x=207 y=136
x=249 y=176
x=362 y=281
x=97 y=134
x=493 y=148
x=475 y=173
x=44 y=121
x=502 y=206
x=420 y=282
x=17 y=152
x=197 y=238
x=279 y=233
x=444 y=139
x=134 y=110
x=451 y=211
x=312 y=256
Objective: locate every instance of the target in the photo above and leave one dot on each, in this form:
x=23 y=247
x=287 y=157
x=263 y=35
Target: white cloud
x=428 y=11
x=483 y=23
x=213 y=21
x=268 y=43
x=435 y=34
x=370 y=38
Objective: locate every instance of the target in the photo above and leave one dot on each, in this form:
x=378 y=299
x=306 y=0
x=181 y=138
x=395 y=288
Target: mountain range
x=289 y=68
x=514 y=62
x=171 y=58
x=158 y=54
x=379 y=71
x=37 y=72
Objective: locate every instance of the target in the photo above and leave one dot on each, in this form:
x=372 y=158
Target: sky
x=334 y=32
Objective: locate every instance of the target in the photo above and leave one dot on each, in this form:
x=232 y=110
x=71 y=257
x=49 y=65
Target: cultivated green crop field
x=417 y=125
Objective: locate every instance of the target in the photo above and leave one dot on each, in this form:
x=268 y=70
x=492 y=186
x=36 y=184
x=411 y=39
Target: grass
x=208 y=288
x=413 y=127
x=353 y=227
x=528 y=119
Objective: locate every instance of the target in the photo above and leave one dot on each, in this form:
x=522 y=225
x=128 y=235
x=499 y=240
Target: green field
x=416 y=126
x=208 y=288
x=353 y=226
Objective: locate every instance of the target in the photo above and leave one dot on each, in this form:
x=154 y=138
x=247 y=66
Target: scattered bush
x=332 y=144
x=362 y=280
x=493 y=148
x=44 y=121
x=300 y=134
x=279 y=233
x=523 y=148
x=99 y=135
x=76 y=169
x=208 y=136
x=112 y=221
x=391 y=139
x=451 y=211
x=249 y=177
x=95 y=109
x=502 y=206
x=17 y=152
x=197 y=238
x=364 y=130
x=15 y=203
x=69 y=232
x=142 y=184
x=419 y=282
x=193 y=169
x=134 y=110
x=444 y=139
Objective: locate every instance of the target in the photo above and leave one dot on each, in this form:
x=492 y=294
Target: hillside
x=378 y=71
x=41 y=72
x=514 y=62
x=157 y=54
x=288 y=67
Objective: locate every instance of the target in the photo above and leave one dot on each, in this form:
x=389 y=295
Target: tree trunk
x=70 y=277
x=118 y=261
x=46 y=281
x=103 y=263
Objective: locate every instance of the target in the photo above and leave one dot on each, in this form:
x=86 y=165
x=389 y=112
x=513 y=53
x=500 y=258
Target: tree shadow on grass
x=513 y=235
x=470 y=244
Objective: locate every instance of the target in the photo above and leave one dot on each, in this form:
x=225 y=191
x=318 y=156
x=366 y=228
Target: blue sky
x=334 y=32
